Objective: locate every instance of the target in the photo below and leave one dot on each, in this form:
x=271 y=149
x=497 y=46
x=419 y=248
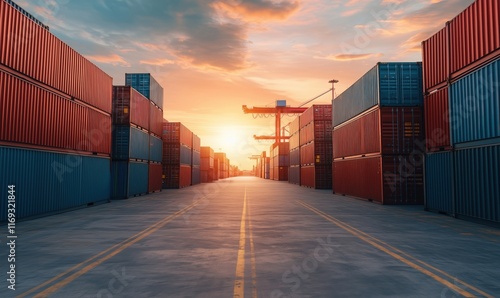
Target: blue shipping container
x=196 y=158
x=155 y=149
x=195 y=175
x=186 y=155
x=439 y=182
x=128 y=179
x=477 y=183
x=475 y=105
x=386 y=84
x=147 y=86
x=129 y=143
x=48 y=182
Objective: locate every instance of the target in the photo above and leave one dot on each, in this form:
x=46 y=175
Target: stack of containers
x=462 y=115
x=136 y=155
x=315 y=139
x=378 y=136
x=196 y=161
x=221 y=165
x=177 y=155
x=228 y=167
x=264 y=166
x=279 y=161
x=149 y=87
x=207 y=165
x=294 y=170
x=55 y=124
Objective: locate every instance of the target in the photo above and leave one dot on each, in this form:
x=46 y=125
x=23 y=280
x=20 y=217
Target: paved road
x=248 y=237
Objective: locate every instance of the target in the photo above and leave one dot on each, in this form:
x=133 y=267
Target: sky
x=213 y=56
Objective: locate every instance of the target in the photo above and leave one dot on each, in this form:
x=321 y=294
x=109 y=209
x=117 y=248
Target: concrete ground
x=248 y=237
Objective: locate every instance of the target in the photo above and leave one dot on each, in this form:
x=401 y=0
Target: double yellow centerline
x=58 y=282
x=239 y=280
x=438 y=275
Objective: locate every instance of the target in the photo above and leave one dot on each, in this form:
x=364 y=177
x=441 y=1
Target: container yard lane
x=249 y=237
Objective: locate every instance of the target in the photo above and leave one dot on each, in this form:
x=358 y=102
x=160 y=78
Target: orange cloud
x=258 y=11
x=112 y=59
x=351 y=57
x=159 y=62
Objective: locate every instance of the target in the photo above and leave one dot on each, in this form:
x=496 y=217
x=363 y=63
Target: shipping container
x=146 y=84
x=50 y=182
x=130 y=107
x=319 y=153
x=280 y=173
x=155 y=149
x=294 y=175
x=437 y=121
x=30 y=49
x=176 y=132
x=130 y=143
x=319 y=177
x=435 y=60
x=474 y=36
x=155 y=120
x=439 y=182
x=175 y=153
x=393 y=180
x=207 y=158
x=386 y=130
x=195 y=175
x=207 y=176
x=477 y=187
x=475 y=105
x=216 y=169
x=196 y=159
x=316 y=113
x=34 y=116
x=386 y=84
x=295 y=157
x=196 y=143
x=155 y=177
x=267 y=168
x=176 y=176
x=128 y=179
x=318 y=130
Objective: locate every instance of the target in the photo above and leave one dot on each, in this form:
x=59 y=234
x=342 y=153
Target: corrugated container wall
x=130 y=143
x=155 y=177
x=437 y=121
x=475 y=105
x=439 y=182
x=474 y=35
x=43 y=189
x=435 y=60
x=176 y=176
x=146 y=84
x=128 y=179
x=130 y=107
x=50 y=61
x=155 y=120
x=155 y=149
x=35 y=116
x=386 y=84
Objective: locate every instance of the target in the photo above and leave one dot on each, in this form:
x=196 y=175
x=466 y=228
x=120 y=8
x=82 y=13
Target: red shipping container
x=294 y=175
x=130 y=107
x=435 y=60
x=319 y=177
x=34 y=116
x=196 y=143
x=316 y=112
x=176 y=176
x=387 y=130
x=280 y=173
x=155 y=119
x=437 y=121
x=474 y=36
x=32 y=50
x=295 y=125
x=387 y=180
x=319 y=153
x=155 y=177
x=175 y=132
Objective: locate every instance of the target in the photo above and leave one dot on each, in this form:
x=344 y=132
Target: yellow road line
x=96 y=260
x=399 y=255
x=252 y=255
x=239 y=281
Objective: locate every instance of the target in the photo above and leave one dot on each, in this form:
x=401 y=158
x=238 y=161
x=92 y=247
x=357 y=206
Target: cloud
x=257 y=10
x=112 y=59
x=157 y=62
x=351 y=57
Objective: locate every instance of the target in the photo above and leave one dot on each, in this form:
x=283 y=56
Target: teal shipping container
x=49 y=182
x=146 y=84
x=388 y=84
x=439 y=182
x=129 y=143
x=155 y=149
x=128 y=179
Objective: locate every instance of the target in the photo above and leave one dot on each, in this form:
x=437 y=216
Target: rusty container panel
x=176 y=132
x=316 y=113
x=155 y=177
x=437 y=121
x=34 y=116
x=474 y=35
x=130 y=107
x=435 y=61
x=360 y=177
x=155 y=120
x=316 y=153
x=318 y=177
